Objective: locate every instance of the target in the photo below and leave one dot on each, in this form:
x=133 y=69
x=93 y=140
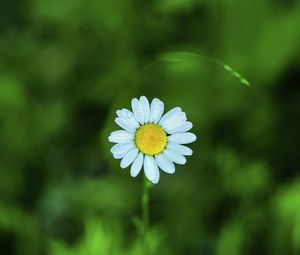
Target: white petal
x=165 y=164
x=174 y=156
x=182 y=138
x=146 y=108
x=175 y=116
x=170 y=114
x=186 y=126
x=156 y=180
x=128 y=116
x=174 y=121
x=120 y=149
x=137 y=110
x=137 y=165
x=181 y=149
x=120 y=136
x=151 y=169
x=129 y=158
x=156 y=110
x=125 y=125
x=119 y=155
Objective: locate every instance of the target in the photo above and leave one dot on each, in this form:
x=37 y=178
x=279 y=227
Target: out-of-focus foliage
x=66 y=66
x=99 y=240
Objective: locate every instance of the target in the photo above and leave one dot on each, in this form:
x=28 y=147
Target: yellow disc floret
x=151 y=139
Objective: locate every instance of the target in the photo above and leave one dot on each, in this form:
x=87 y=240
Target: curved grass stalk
x=178 y=56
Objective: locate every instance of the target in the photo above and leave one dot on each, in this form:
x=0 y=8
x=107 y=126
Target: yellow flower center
x=151 y=139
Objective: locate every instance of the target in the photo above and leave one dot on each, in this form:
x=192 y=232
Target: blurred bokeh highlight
x=67 y=66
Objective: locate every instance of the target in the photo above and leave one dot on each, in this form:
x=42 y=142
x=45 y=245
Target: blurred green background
x=67 y=66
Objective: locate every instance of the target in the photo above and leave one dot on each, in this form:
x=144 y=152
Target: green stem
x=145 y=204
x=145 y=211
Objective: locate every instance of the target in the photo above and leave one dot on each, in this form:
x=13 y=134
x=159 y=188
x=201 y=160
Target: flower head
x=150 y=139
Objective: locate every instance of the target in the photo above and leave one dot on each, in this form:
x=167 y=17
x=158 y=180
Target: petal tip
x=194 y=137
x=133 y=175
x=155 y=181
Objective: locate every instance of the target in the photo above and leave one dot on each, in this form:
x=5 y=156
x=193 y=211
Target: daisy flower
x=151 y=140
